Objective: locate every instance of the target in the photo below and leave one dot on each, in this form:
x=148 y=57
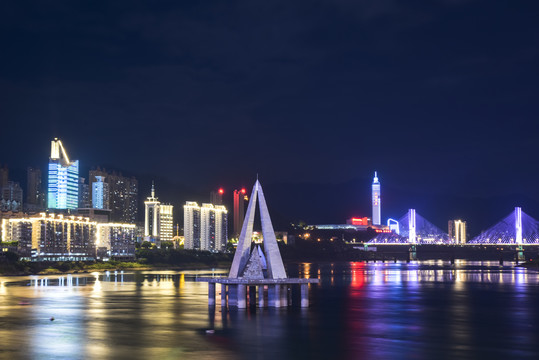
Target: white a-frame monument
x=259 y=269
x=250 y=264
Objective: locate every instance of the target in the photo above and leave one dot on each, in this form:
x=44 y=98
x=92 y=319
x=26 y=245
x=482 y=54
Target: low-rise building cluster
x=54 y=237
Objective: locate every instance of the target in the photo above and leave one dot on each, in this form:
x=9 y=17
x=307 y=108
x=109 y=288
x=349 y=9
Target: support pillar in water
x=520 y=254
x=242 y=295
x=223 y=295
x=261 y=302
x=211 y=294
x=284 y=295
x=232 y=295
x=252 y=295
x=304 y=295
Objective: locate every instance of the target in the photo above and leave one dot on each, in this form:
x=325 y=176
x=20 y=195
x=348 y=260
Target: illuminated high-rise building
x=205 y=227
x=239 y=210
x=166 y=224
x=100 y=193
x=376 y=204
x=221 y=228
x=191 y=225
x=63 y=179
x=457 y=231
x=123 y=195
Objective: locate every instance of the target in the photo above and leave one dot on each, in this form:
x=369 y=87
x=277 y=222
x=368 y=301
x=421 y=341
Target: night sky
x=441 y=97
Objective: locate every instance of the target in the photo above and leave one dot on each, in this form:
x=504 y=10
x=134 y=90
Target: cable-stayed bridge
x=413 y=228
x=517 y=228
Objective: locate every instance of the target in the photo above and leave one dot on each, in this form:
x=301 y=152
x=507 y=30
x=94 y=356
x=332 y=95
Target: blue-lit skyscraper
x=376 y=205
x=63 y=180
x=100 y=193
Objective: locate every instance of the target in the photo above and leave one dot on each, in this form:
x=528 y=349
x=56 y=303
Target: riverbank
x=531 y=264
x=57 y=268
x=147 y=259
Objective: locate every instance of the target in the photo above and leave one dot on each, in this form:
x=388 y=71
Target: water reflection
x=383 y=310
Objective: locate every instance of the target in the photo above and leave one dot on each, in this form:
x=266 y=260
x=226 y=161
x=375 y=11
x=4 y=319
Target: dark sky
x=439 y=96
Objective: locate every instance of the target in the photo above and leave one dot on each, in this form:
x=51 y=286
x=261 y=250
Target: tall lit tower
x=63 y=184
x=457 y=231
x=376 y=204
x=151 y=218
x=239 y=213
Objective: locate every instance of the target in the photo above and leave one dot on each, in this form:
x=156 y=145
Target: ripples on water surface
x=426 y=310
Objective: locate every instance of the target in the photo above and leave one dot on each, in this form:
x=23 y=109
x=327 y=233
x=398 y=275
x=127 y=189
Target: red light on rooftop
x=243 y=191
x=221 y=191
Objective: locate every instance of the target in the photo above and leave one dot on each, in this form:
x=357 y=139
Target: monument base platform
x=270 y=292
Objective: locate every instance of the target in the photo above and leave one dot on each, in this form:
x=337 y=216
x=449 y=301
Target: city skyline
x=130 y=216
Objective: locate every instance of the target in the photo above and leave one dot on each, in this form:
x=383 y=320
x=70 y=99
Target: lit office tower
x=457 y=231
x=123 y=195
x=166 y=222
x=213 y=227
x=63 y=184
x=100 y=193
x=34 y=191
x=239 y=213
x=221 y=228
x=376 y=204
x=191 y=225
x=207 y=227
x=151 y=217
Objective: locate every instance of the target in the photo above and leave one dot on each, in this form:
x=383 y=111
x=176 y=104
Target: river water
x=426 y=310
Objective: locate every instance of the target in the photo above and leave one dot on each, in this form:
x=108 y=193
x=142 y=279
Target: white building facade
x=205 y=227
x=158 y=220
x=191 y=225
